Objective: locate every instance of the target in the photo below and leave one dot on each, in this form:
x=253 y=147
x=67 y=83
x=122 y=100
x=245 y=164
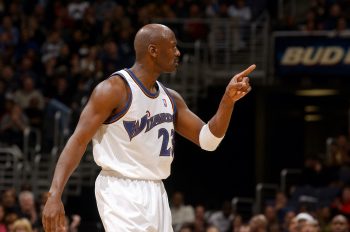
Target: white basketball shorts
x=129 y=205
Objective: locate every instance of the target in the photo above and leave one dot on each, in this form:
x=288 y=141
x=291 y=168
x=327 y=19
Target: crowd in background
x=320 y=15
x=53 y=53
x=21 y=212
x=57 y=51
x=319 y=201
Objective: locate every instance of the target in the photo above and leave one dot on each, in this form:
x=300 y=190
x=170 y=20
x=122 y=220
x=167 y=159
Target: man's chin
x=174 y=69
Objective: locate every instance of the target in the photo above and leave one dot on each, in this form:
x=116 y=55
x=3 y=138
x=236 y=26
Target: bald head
x=150 y=34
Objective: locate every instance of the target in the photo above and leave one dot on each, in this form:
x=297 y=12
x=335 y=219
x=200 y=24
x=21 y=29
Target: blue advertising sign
x=317 y=54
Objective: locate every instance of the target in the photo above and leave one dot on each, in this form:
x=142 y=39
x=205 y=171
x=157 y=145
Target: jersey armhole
x=115 y=117
x=170 y=97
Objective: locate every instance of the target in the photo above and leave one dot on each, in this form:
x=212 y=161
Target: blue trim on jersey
x=142 y=87
x=170 y=97
x=120 y=114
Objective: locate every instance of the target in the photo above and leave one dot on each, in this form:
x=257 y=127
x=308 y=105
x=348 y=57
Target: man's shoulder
x=111 y=87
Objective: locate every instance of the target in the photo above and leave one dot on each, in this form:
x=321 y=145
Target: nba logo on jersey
x=164 y=102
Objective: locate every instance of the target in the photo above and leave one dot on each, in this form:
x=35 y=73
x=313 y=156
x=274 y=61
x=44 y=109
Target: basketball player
x=131 y=119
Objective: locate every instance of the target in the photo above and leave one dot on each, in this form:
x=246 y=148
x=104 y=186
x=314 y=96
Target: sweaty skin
x=156 y=53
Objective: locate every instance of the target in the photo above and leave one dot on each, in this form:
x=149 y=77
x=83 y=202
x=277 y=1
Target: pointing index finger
x=247 y=71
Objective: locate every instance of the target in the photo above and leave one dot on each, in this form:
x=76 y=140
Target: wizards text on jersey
x=135 y=127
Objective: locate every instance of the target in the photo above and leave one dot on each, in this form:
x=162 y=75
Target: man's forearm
x=219 y=123
x=66 y=164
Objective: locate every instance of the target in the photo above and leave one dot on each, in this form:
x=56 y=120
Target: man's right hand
x=53 y=218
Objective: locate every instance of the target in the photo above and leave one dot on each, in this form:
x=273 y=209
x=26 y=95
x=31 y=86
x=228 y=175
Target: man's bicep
x=90 y=120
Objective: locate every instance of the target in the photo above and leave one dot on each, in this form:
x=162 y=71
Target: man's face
x=168 y=58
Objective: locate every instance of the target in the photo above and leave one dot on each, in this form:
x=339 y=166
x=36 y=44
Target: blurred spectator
x=243 y=228
x=16 y=13
x=343 y=149
x=287 y=224
x=339 y=160
x=62 y=20
x=339 y=223
x=305 y=218
x=200 y=221
x=2 y=97
x=22 y=225
x=27 y=208
x=271 y=218
x=79 y=99
x=34 y=113
x=335 y=12
x=241 y=14
x=2 y=219
x=9 y=201
x=52 y=46
x=42 y=201
x=73 y=223
x=341 y=205
x=7 y=28
x=143 y=16
x=187 y=227
x=309 y=227
x=287 y=23
x=2 y=7
x=194 y=29
x=64 y=57
x=222 y=219
x=118 y=19
x=310 y=23
x=212 y=8
x=212 y=228
x=104 y=9
x=314 y=173
x=88 y=60
x=89 y=27
x=8 y=76
x=293 y=225
x=345 y=5
x=12 y=125
x=323 y=215
x=223 y=10
x=26 y=68
x=319 y=7
x=76 y=9
x=27 y=42
x=61 y=91
x=341 y=28
x=180 y=212
x=240 y=11
x=10 y=219
x=125 y=45
x=281 y=206
x=258 y=223
x=27 y=93
x=110 y=57
x=237 y=223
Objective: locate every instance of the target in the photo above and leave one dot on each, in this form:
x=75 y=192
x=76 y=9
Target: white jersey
x=138 y=142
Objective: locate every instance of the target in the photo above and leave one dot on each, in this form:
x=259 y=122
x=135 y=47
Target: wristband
x=207 y=140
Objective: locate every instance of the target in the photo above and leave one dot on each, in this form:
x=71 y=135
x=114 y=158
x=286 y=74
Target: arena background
x=297 y=109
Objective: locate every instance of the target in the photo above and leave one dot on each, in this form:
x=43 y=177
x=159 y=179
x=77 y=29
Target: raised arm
x=106 y=98
x=194 y=129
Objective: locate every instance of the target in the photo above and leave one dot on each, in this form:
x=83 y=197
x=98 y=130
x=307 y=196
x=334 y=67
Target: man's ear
x=152 y=49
